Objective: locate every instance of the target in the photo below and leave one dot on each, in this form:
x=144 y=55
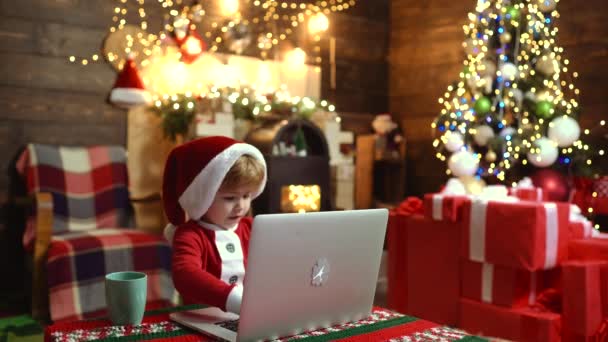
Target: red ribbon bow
x=550 y=300
x=410 y=206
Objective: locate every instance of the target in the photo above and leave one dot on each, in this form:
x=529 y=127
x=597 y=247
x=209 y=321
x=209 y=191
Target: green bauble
x=513 y=12
x=466 y=70
x=544 y=109
x=483 y=105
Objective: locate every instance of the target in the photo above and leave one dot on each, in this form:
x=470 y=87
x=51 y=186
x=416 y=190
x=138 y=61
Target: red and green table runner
x=381 y=325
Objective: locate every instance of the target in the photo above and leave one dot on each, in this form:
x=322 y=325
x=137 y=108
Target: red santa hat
x=194 y=173
x=129 y=89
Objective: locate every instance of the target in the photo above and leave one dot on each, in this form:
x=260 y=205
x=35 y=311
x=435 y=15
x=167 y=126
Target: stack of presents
x=505 y=263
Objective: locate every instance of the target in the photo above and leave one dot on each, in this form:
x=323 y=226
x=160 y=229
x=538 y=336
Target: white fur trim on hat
x=129 y=96
x=199 y=195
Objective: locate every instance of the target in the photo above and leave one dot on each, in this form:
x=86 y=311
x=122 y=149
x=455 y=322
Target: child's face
x=229 y=206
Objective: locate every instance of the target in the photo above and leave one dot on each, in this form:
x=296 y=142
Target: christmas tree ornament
x=529 y=95
x=544 y=152
x=546 y=5
x=509 y=71
x=554 y=184
x=505 y=37
x=513 y=13
x=564 y=130
x=487 y=68
x=544 y=109
x=473 y=185
x=547 y=65
x=191 y=46
x=454 y=141
x=491 y=156
x=129 y=90
x=463 y=163
x=483 y=134
x=486 y=83
x=516 y=83
x=508 y=132
x=518 y=96
x=454 y=186
x=483 y=105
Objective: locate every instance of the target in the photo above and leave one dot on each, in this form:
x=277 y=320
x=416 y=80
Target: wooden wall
x=426 y=55
x=46 y=99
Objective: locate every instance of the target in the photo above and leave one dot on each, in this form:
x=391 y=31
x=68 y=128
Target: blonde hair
x=246 y=171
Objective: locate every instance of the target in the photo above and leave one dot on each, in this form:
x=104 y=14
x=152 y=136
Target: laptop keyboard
x=230 y=325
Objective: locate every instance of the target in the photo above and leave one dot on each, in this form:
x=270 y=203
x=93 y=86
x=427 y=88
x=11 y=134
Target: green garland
x=177 y=112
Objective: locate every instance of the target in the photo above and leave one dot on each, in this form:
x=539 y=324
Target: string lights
x=261 y=24
x=514 y=102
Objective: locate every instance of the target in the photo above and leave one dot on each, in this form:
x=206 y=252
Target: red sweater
x=209 y=261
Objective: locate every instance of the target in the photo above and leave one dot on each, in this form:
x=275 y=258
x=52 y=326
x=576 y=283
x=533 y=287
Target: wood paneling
x=425 y=56
x=46 y=99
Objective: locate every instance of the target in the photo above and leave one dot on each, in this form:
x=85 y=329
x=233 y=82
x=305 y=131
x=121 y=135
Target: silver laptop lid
x=313 y=270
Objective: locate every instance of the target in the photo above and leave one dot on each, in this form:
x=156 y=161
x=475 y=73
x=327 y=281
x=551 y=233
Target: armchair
x=78 y=231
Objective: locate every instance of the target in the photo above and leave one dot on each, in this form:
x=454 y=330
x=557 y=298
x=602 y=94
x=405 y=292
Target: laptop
x=305 y=272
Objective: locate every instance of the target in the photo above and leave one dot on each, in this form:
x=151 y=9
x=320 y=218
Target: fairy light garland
x=273 y=22
x=509 y=45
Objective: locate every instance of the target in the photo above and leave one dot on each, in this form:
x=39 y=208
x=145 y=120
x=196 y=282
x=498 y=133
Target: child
x=211 y=180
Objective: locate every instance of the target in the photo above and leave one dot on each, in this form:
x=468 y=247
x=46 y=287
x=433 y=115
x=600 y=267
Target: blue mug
x=126 y=297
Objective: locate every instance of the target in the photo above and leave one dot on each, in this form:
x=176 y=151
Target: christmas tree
x=514 y=108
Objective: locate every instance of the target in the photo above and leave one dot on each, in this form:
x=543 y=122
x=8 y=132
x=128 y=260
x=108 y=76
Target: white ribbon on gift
x=477 y=232
x=576 y=215
x=455 y=187
x=487 y=285
x=552 y=234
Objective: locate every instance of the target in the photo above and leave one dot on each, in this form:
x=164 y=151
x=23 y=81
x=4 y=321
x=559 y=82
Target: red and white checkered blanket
x=78 y=262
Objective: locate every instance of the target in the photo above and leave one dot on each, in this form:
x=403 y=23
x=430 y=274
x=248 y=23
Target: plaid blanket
x=78 y=262
x=381 y=325
x=89 y=185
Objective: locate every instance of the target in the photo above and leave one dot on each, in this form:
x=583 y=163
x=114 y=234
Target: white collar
x=215 y=227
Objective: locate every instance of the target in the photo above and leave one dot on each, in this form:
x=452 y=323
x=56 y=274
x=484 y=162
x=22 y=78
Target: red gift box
x=530 y=194
x=430 y=257
x=589 y=249
x=517 y=324
x=506 y=286
x=582 y=300
x=444 y=207
x=580 y=229
x=528 y=235
x=397 y=262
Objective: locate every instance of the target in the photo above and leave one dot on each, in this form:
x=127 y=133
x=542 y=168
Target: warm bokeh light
x=300 y=198
x=229 y=7
x=318 y=23
x=296 y=57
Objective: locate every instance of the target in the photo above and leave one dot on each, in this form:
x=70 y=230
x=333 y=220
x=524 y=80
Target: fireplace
x=296 y=183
